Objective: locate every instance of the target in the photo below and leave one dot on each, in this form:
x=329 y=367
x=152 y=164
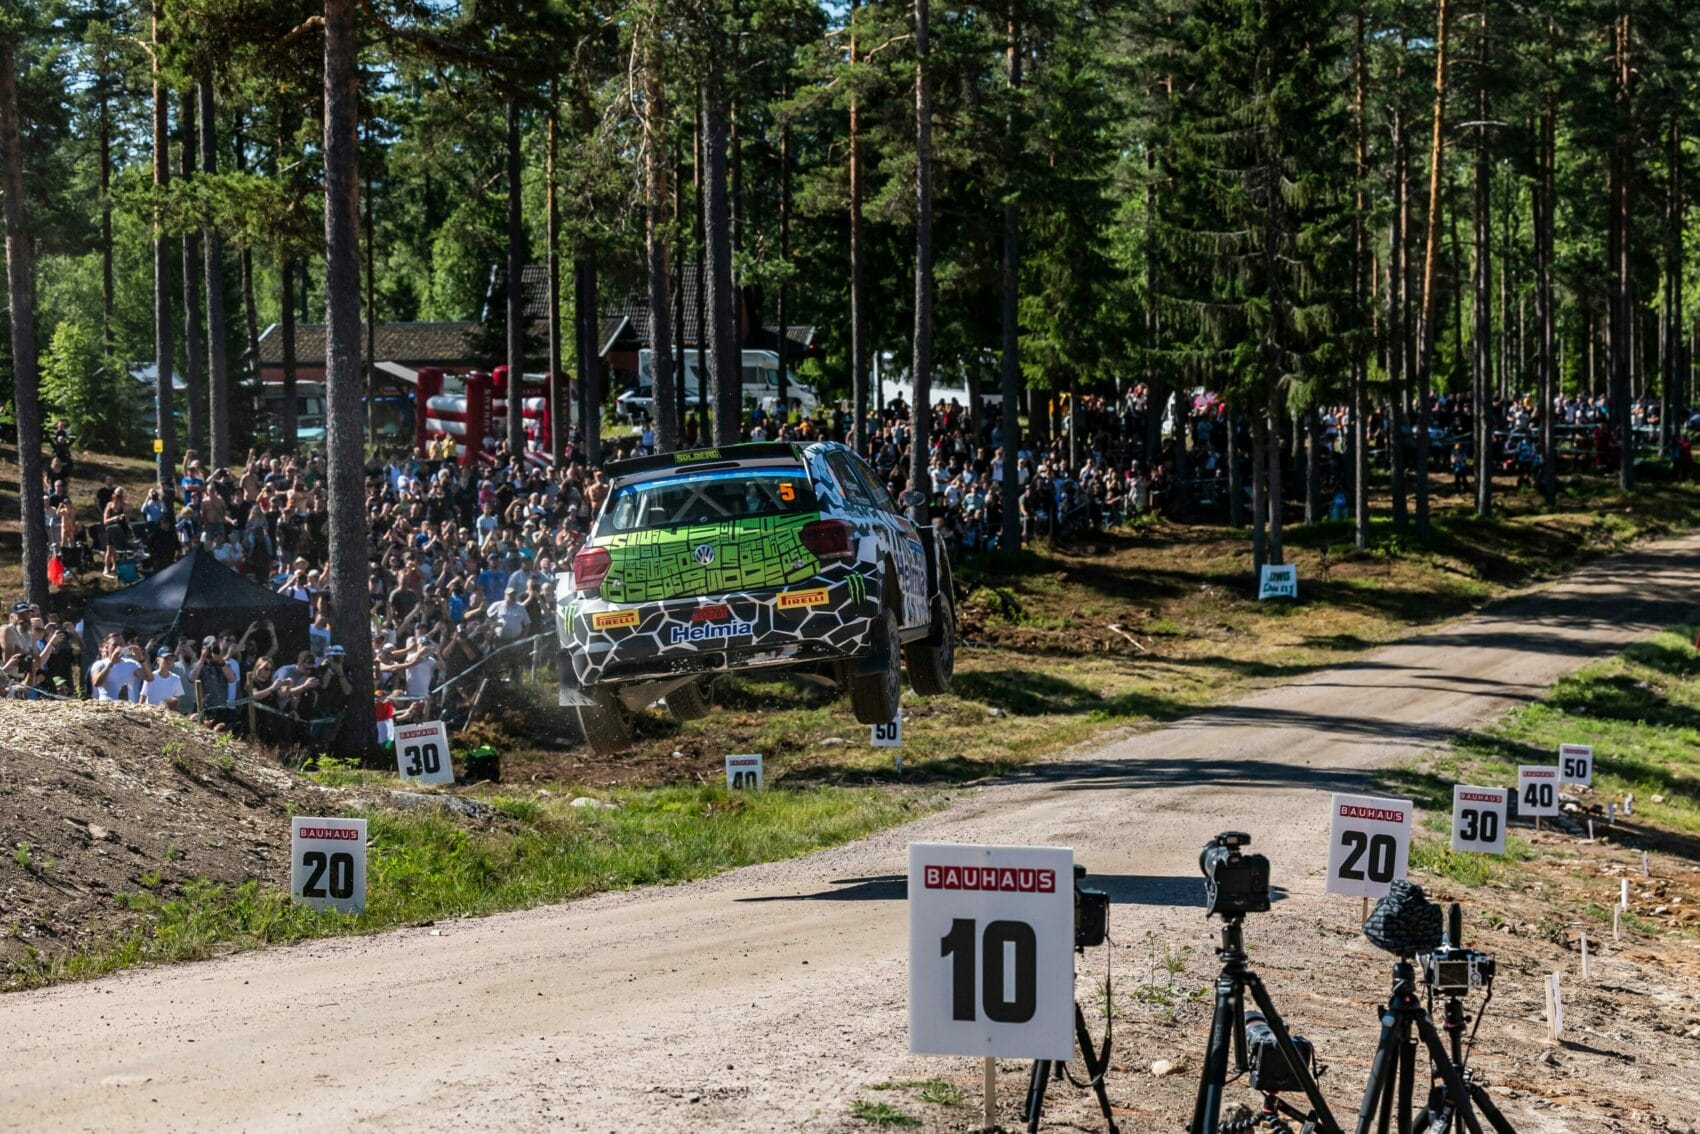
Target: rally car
x=767 y=556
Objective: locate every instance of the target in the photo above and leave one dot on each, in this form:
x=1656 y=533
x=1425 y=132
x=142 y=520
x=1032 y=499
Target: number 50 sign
x=991 y=951
x=1369 y=844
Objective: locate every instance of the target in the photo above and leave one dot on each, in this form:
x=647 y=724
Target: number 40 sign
x=1369 y=844
x=991 y=951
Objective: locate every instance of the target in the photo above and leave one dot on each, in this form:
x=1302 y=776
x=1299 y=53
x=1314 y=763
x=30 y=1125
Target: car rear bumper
x=828 y=618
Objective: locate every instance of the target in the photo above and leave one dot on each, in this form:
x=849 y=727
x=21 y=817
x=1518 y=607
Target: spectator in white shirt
x=112 y=675
x=161 y=686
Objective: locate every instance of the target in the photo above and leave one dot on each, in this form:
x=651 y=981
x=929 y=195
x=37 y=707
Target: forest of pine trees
x=1293 y=203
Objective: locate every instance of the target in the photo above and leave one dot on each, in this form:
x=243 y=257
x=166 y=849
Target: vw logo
x=703 y=554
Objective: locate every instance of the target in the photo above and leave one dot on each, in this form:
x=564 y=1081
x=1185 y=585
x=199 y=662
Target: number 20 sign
x=1369 y=844
x=991 y=951
x=327 y=863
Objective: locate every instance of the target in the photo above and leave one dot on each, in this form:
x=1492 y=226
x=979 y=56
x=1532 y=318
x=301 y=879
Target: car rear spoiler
x=753 y=450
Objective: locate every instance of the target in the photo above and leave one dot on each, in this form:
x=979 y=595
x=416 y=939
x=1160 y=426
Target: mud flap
x=874 y=662
x=571 y=696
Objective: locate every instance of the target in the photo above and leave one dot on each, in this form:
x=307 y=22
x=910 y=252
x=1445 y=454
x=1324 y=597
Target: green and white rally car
x=767 y=556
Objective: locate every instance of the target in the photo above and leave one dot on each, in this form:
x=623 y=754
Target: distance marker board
x=743 y=772
x=1369 y=844
x=1537 y=791
x=327 y=863
x=1576 y=764
x=991 y=951
x=1478 y=818
x=1278 y=581
x=422 y=753
x=889 y=734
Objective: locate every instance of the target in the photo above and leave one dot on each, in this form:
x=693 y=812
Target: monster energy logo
x=858 y=587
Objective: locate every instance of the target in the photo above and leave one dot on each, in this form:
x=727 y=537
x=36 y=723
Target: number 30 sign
x=991 y=951
x=422 y=754
x=327 y=863
x=1369 y=844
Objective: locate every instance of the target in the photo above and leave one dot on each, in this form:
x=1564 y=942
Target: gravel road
x=769 y=997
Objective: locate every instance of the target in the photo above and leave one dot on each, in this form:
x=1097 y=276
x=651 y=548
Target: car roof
x=728 y=456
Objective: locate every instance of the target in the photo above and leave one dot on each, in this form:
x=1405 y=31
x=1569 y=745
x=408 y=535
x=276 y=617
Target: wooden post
x=991 y=1092
x=1585 y=972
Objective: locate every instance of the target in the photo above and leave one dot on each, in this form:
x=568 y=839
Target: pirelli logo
x=613 y=619
x=791 y=600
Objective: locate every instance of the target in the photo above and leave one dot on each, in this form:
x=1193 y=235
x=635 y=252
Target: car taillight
x=713 y=612
x=827 y=539
x=590 y=566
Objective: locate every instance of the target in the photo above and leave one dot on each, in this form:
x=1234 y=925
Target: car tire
x=690 y=702
x=874 y=697
x=931 y=661
x=605 y=723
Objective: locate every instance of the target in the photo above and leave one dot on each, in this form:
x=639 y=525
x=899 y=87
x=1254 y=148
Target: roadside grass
x=426 y=866
x=1640 y=710
x=881 y=1114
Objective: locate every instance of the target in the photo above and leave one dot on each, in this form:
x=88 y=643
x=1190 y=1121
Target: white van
x=760 y=385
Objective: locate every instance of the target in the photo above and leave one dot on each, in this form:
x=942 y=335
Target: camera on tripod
x=1234 y=883
x=1091 y=913
x=1453 y=970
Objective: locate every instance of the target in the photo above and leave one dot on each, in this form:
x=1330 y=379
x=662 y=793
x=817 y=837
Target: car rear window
x=706 y=498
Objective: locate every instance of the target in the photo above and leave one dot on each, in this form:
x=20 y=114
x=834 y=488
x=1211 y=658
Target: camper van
x=760 y=385
x=309 y=412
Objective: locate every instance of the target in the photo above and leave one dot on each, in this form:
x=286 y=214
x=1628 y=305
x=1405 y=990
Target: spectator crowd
x=463 y=558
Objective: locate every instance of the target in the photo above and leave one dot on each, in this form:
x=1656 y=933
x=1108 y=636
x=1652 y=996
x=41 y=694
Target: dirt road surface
x=771 y=997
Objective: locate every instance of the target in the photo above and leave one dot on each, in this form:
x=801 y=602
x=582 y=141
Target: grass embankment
x=1060 y=645
x=526 y=851
x=1641 y=712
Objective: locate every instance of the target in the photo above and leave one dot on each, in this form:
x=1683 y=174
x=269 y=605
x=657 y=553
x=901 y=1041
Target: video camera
x=1091 y=913
x=1453 y=970
x=1234 y=883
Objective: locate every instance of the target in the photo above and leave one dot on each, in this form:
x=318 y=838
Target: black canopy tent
x=192 y=598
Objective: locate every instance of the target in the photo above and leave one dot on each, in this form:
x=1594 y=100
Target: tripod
x=1097 y=1064
x=1228 y=1027
x=1442 y=1113
x=1393 y=1073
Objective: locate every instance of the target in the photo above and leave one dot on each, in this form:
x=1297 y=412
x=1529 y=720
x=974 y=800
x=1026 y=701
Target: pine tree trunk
x=921 y=415
x=1009 y=375
x=245 y=269
x=1622 y=310
x=1275 y=492
x=559 y=412
x=218 y=346
x=290 y=425
x=1431 y=253
x=724 y=348
x=1481 y=338
x=109 y=333
x=20 y=290
x=1360 y=304
x=343 y=386
x=164 y=426
x=784 y=261
x=194 y=341
x=858 y=287
x=516 y=292
x=1544 y=246
x=655 y=249
x=677 y=268
x=1314 y=510
x=1669 y=401
x=1259 y=494
x=699 y=215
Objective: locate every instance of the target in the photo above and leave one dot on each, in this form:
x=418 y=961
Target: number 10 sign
x=991 y=951
x=1369 y=844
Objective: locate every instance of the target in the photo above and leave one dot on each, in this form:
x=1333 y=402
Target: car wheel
x=690 y=702
x=874 y=697
x=605 y=723
x=931 y=661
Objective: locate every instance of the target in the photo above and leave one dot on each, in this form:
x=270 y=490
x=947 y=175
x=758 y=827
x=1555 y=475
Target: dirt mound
x=101 y=800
